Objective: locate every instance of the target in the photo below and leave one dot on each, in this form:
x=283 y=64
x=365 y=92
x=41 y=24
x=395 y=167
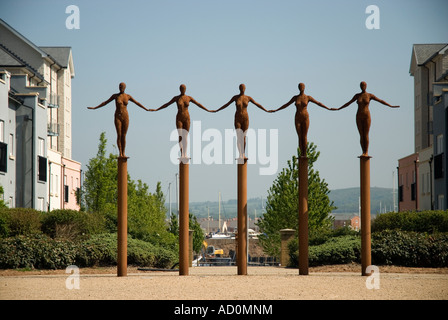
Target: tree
x=146 y=210
x=282 y=203
x=100 y=185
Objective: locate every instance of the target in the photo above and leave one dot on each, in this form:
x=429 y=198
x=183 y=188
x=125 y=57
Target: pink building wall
x=407 y=183
x=71 y=181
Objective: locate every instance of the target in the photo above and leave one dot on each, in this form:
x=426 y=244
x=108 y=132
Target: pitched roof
x=61 y=55
x=7 y=59
x=422 y=53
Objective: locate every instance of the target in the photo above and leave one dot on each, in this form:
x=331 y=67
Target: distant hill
x=346 y=201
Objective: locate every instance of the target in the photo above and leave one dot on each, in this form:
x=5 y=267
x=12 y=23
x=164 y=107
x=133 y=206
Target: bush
x=336 y=250
x=422 y=221
x=36 y=251
x=72 y=224
x=410 y=249
x=19 y=221
x=42 y=252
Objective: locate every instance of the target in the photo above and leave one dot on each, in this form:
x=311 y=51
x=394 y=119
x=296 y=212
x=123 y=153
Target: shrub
x=36 y=251
x=422 y=221
x=42 y=252
x=72 y=224
x=411 y=249
x=336 y=250
x=19 y=221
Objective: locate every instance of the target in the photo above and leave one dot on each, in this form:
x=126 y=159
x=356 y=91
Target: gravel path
x=223 y=283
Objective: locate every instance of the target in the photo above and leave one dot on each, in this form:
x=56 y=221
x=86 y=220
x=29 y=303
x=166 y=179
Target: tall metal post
x=242 y=218
x=366 y=257
x=122 y=227
x=303 y=215
x=184 y=217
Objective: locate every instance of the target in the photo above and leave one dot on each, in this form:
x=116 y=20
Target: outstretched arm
x=310 y=98
x=112 y=97
x=199 y=105
x=137 y=103
x=226 y=105
x=257 y=104
x=165 y=105
x=285 y=105
x=348 y=103
x=382 y=101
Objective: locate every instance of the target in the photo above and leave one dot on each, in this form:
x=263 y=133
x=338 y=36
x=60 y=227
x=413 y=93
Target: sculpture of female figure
x=363 y=119
x=182 y=117
x=241 y=118
x=121 y=115
x=302 y=119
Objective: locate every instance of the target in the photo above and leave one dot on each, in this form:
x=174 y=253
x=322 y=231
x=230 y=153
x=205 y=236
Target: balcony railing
x=53 y=129
x=54 y=101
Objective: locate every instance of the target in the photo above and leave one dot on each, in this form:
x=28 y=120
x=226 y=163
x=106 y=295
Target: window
x=40 y=204
x=439 y=146
x=41 y=146
x=42 y=169
x=11 y=145
x=441 y=202
x=66 y=194
x=2 y=131
x=438 y=166
x=3 y=157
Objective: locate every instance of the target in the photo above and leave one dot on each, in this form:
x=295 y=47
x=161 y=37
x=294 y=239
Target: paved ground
x=223 y=283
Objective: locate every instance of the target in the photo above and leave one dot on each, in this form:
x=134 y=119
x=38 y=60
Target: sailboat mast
x=219 y=211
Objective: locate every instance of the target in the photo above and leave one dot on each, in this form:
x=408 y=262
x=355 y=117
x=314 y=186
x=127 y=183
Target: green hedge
x=408 y=248
x=65 y=224
x=72 y=224
x=42 y=252
x=19 y=221
x=404 y=248
x=421 y=221
x=336 y=250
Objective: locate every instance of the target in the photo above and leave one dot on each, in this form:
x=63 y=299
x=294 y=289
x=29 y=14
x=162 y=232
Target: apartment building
x=36 y=168
x=429 y=67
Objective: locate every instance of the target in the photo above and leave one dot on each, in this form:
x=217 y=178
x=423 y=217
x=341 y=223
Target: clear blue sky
x=212 y=47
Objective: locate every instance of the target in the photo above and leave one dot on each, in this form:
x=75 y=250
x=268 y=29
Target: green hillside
x=346 y=201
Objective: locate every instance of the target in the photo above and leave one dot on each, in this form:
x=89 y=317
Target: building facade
x=429 y=67
x=440 y=98
x=35 y=124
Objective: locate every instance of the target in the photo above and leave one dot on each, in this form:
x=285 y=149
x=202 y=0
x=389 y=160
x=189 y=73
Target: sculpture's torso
x=363 y=102
x=121 y=103
x=301 y=105
x=241 y=115
x=182 y=106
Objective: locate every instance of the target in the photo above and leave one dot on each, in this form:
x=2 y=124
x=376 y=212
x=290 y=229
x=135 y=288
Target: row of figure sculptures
x=241 y=123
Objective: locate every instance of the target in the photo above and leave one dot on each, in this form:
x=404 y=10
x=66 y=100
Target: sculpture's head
x=301 y=87
x=122 y=87
x=363 y=86
x=242 y=88
x=183 y=88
